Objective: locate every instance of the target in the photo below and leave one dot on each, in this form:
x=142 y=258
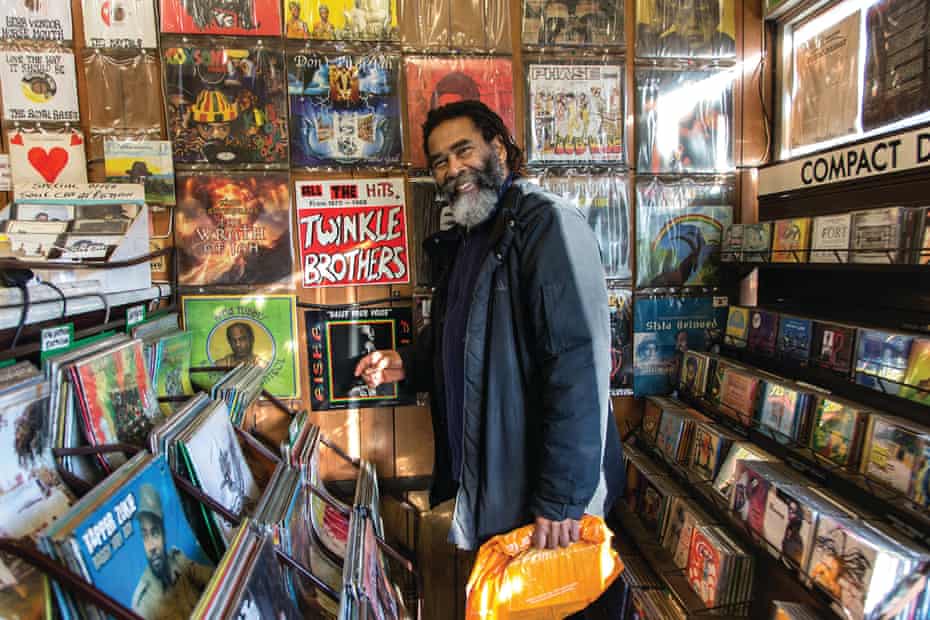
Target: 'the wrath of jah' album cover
x=344 y=109
x=338 y=339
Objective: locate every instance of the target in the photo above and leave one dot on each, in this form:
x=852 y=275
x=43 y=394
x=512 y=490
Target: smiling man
x=517 y=356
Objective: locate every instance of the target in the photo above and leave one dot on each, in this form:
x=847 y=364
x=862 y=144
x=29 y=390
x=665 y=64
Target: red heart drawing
x=48 y=163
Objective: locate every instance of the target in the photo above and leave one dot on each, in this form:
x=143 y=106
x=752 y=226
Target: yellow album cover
x=342 y=20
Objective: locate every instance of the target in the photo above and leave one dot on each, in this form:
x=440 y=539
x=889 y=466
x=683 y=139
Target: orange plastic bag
x=513 y=581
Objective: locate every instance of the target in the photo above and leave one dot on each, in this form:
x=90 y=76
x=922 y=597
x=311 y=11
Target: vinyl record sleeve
x=148 y=162
x=917 y=379
x=892 y=454
x=737 y=332
x=684 y=120
x=831 y=238
x=233 y=229
x=344 y=109
x=603 y=200
x=263 y=327
x=576 y=113
x=39 y=21
x=226 y=105
x=664 y=327
x=794 y=338
x=825 y=100
x=686 y=28
x=835 y=431
x=352 y=232
x=237 y=18
x=47 y=157
x=341 y=20
x=338 y=339
x=791 y=239
x=705 y=566
x=263 y=594
x=763 y=332
x=620 y=303
x=781 y=409
x=750 y=495
x=124 y=96
x=693 y=376
x=39 y=86
x=433 y=82
x=456 y=25
x=573 y=23
x=119 y=23
x=882 y=360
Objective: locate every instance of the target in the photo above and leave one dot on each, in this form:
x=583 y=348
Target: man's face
x=697 y=19
x=239 y=341
x=295 y=11
x=324 y=13
x=153 y=540
x=213 y=131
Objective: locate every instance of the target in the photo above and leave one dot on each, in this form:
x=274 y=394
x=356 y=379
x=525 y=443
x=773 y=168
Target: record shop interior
x=440 y=310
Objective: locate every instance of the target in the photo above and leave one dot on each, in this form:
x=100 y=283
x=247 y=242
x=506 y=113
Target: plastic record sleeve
x=680 y=224
x=573 y=23
x=575 y=113
x=433 y=82
x=684 y=120
x=686 y=28
x=239 y=18
x=38 y=83
x=456 y=25
x=603 y=200
x=345 y=109
x=341 y=20
x=123 y=90
x=620 y=304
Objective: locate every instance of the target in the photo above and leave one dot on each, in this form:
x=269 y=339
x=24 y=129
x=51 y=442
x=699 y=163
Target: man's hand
x=380 y=367
x=551 y=534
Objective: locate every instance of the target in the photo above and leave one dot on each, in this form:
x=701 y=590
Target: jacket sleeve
x=417 y=360
x=565 y=290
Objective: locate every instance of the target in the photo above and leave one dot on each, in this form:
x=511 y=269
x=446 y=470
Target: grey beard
x=470 y=210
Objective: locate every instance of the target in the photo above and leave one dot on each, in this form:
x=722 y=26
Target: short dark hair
x=245 y=326
x=488 y=122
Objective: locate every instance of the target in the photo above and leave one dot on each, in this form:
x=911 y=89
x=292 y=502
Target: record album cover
x=684 y=120
x=39 y=21
x=831 y=238
x=917 y=379
x=757 y=242
x=345 y=109
x=732 y=244
x=763 y=332
x=621 y=341
x=224 y=17
x=882 y=360
x=230 y=330
x=842 y=564
x=352 y=232
x=576 y=113
x=835 y=430
x=233 y=229
x=47 y=157
x=433 y=82
x=704 y=567
x=789 y=524
x=573 y=23
x=833 y=347
x=737 y=332
x=791 y=240
x=119 y=24
x=686 y=28
x=603 y=200
x=693 y=377
x=226 y=105
x=262 y=593
x=738 y=393
x=431 y=220
x=708 y=448
x=148 y=162
x=341 y=20
x=749 y=496
x=38 y=86
x=825 y=93
x=781 y=409
x=665 y=327
x=794 y=338
x=893 y=453
x=338 y=340
x=881 y=235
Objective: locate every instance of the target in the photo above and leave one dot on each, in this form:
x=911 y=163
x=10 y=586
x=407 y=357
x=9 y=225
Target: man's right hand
x=380 y=367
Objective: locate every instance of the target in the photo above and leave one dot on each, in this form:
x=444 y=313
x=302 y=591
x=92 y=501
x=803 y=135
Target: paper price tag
x=57 y=338
x=135 y=315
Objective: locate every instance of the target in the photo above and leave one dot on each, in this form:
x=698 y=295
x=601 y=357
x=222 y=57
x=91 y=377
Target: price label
x=135 y=315
x=57 y=338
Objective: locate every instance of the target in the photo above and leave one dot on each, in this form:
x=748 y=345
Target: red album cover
x=229 y=17
x=704 y=568
x=434 y=82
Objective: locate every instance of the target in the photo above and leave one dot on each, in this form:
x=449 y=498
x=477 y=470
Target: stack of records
x=783 y=410
x=750 y=492
x=248 y=582
x=676 y=431
x=709 y=448
x=740 y=451
x=896 y=455
x=239 y=388
x=793 y=611
x=836 y=431
x=720 y=571
x=152 y=329
x=115 y=399
x=693 y=377
x=684 y=516
x=167 y=352
x=739 y=391
x=368 y=590
x=638 y=468
x=128 y=537
x=655 y=501
x=655 y=604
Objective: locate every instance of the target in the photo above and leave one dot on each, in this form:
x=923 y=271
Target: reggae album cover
x=229 y=330
x=573 y=23
x=39 y=86
x=604 y=202
x=47 y=158
x=576 y=113
x=224 y=17
x=825 y=100
x=897 y=67
x=834 y=434
x=433 y=82
x=344 y=109
x=679 y=246
x=341 y=20
x=665 y=327
x=843 y=561
x=233 y=229
x=686 y=28
x=148 y=162
x=684 y=120
x=263 y=594
x=119 y=24
x=226 y=105
x=338 y=340
x=352 y=232
x=36 y=20
x=620 y=303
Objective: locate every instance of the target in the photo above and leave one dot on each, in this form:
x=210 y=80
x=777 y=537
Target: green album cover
x=173 y=368
x=255 y=329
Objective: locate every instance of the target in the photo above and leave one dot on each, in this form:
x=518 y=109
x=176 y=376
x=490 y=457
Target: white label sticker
x=55 y=338
x=135 y=315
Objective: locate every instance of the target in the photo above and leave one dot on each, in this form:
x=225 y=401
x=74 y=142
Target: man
x=517 y=354
x=241 y=340
x=323 y=29
x=296 y=27
x=172 y=583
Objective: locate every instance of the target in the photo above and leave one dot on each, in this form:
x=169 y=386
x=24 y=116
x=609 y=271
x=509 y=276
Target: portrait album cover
x=260 y=330
x=341 y=20
x=340 y=339
x=38 y=86
x=573 y=23
x=223 y=17
x=686 y=28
